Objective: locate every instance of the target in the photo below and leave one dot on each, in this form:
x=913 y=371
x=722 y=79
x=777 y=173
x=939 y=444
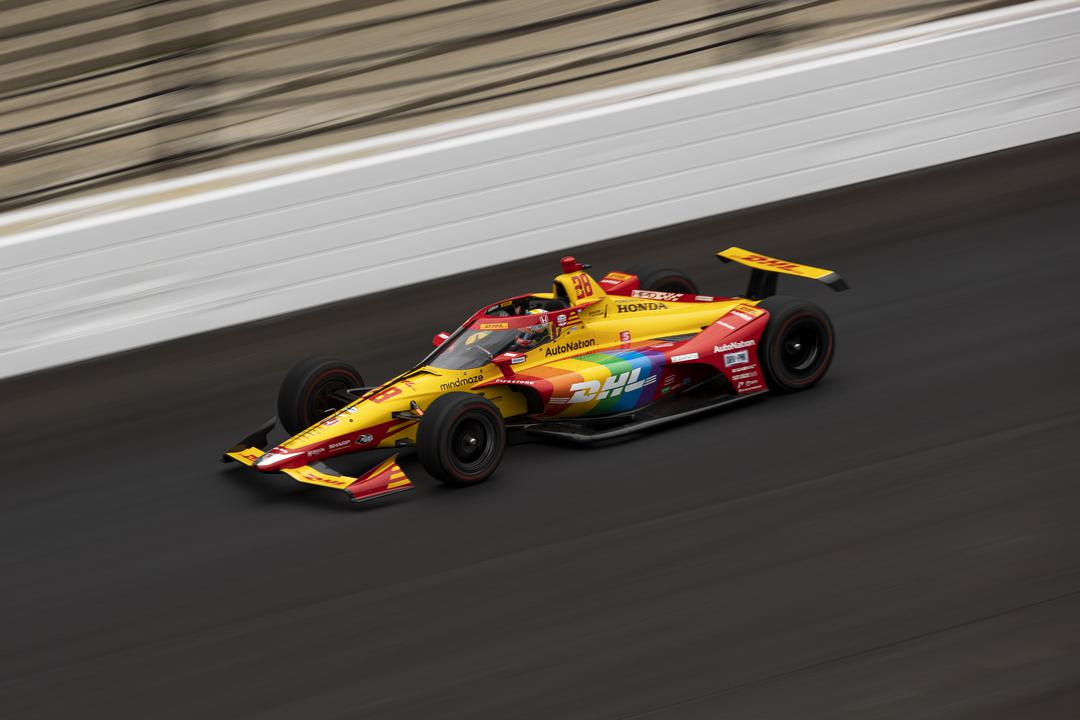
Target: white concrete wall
x=537 y=179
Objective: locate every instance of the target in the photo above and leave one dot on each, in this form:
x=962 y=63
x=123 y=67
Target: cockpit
x=515 y=325
x=528 y=304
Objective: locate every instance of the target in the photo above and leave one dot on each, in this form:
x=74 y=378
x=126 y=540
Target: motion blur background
x=901 y=542
x=105 y=92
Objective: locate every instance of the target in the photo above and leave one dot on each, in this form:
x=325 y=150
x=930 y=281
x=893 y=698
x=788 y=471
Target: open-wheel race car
x=589 y=360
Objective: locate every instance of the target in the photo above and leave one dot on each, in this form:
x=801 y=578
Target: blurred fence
x=447 y=198
x=100 y=93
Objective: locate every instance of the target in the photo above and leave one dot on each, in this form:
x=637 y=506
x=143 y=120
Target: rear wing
x=765 y=270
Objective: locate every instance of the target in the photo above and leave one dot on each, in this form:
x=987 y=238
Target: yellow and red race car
x=587 y=361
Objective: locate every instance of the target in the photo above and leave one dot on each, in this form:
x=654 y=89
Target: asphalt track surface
x=900 y=542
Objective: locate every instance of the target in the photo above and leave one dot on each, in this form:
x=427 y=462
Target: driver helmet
x=529 y=336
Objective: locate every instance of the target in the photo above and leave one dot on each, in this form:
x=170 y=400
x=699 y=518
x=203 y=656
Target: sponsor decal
x=560 y=319
x=570 y=346
x=316 y=451
x=364 y=439
x=494 y=326
x=654 y=295
x=515 y=381
x=736 y=358
x=340 y=443
x=704 y=298
x=517 y=360
x=748 y=385
x=735 y=345
x=624 y=336
x=684 y=358
x=641 y=307
x=461 y=382
x=312 y=477
x=771 y=262
x=739 y=316
x=330 y=421
x=613 y=386
x=744 y=375
x=615 y=278
x=751 y=310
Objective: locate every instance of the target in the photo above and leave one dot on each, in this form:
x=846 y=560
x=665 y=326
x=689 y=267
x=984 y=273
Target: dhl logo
x=319 y=478
x=772 y=262
x=589 y=390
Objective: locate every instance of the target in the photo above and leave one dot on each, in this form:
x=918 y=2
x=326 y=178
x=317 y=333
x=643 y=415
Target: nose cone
x=279 y=458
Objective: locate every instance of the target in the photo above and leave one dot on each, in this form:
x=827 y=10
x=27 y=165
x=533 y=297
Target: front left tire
x=310 y=391
x=461 y=438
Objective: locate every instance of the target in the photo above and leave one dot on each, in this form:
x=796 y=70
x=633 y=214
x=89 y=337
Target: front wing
x=386 y=478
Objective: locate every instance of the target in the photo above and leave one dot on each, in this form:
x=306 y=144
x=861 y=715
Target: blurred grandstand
x=103 y=93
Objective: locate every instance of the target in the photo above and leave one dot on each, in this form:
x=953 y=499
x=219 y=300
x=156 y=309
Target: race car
x=590 y=360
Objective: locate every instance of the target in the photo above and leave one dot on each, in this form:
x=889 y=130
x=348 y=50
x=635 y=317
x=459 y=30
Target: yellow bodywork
x=605 y=320
x=390 y=415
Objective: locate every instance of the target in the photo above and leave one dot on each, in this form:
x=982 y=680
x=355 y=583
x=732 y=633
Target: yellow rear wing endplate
x=765 y=270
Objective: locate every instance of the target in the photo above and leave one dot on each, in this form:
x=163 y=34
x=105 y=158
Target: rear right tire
x=661 y=279
x=798 y=344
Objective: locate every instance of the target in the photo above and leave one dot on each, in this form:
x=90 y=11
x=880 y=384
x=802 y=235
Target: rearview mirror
x=505 y=360
x=440 y=339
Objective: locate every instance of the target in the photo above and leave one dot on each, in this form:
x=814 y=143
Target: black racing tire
x=660 y=279
x=798 y=344
x=305 y=394
x=461 y=438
